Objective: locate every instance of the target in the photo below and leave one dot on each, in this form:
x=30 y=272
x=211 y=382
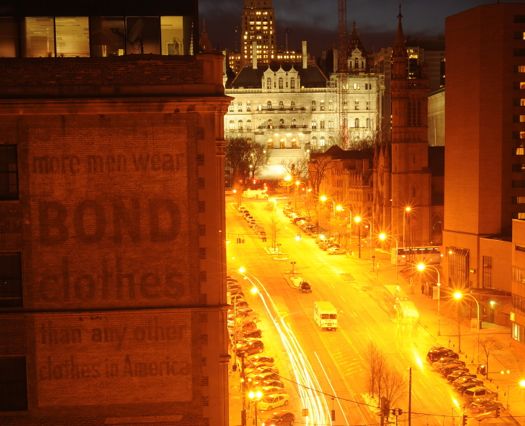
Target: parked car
x=477 y=391
x=272 y=382
x=442 y=363
x=453 y=366
x=479 y=406
x=284 y=418
x=305 y=287
x=260 y=358
x=462 y=372
x=462 y=380
x=270 y=402
x=252 y=334
x=468 y=384
x=437 y=352
x=335 y=250
x=249 y=347
x=262 y=379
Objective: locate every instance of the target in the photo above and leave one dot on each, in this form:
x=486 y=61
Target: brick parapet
x=139 y=75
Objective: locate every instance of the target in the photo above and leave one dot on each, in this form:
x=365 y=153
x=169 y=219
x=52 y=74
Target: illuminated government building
x=112 y=251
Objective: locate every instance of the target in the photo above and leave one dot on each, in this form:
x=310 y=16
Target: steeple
x=399 y=51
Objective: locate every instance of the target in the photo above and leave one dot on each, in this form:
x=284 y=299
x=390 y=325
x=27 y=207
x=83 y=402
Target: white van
x=325 y=315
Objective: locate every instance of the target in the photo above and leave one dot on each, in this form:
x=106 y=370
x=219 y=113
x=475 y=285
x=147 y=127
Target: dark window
x=10 y=280
x=519 y=19
x=8 y=172
x=13 y=384
x=143 y=35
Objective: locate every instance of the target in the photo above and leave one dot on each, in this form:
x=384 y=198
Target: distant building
x=112 y=262
x=436 y=118
x=402 y=190
x=293 y=108
x=258 y=25
x=485 y=159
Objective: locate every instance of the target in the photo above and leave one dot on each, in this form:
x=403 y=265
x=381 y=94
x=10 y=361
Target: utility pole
x=243 y=390
x=410 y=396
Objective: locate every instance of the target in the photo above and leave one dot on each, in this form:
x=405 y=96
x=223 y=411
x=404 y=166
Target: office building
x=112 y=250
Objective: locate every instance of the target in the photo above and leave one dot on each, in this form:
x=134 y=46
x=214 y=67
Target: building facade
x=258 y=26
x=112 y=245
x=484 y=176
x=293 y=109
x=402 y=192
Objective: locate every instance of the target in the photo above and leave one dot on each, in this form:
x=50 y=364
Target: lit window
x=8 y=37
x=521 y=68
x=39 y=37
x=522 y=84
x=520 y=150
x=522 y=118
x=172 y=35
x=522 y=135
x=520 y=199
x=142 y=35
x=522 y=102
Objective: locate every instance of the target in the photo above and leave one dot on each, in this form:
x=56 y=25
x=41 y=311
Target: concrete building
x=484 y=176
x=258 y=26
x=112 y=243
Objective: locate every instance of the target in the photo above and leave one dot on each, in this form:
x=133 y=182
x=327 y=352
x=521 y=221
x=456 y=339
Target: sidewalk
x=506 y=357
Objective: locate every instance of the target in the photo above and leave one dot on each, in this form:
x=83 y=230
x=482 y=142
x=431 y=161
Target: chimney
x=305 y=55
x=254 y=55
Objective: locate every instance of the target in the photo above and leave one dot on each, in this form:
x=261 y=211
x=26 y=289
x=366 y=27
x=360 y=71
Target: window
x=292 y=83
x=281 y=86
x=294 y=123
x=521 y=68
x=248 y=106
x=321 y=124
x=231 y=125
x=356 y=86
x=330 y=125
x=367 y=105
x=39 y=37
x=330 y=105
x=10 y=280
x=142 y=35
x=487 y=272
x=239 y=106
x=281 y=123
x=314 y=124
x=107 y=36
x=269 y=124
x=248 y=124
x=269 y=105
x=292 y=105
x=368 y=123
x=72 y=36
x=172 y=35
x=268 y=83
x=520 y=150
x=13 y=383
x=321 y=106
x=356 y=123
x=314 y=105
x=240 y=125
x=8 y=172
x=281 y=105
x=8 y=37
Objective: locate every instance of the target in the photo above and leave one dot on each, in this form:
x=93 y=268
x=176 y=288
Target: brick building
x=112 y=264
x=485 y=162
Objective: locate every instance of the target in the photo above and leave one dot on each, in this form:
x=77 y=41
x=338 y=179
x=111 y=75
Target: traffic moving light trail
x=308 y=386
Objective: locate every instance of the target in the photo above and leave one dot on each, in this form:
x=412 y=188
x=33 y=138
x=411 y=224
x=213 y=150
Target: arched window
x=292 y=105
x=292 y=83
x=231 y=125
x=268 y=83
x=269 y=124
x=269 y=105
x=248 y=124
x=322 y=141
x=239 y=125
x=294 y=143
x=314 y=124
x=356 y=63
x=281 y=86
x=321 y=105
x=314 y=105
x=294 y=121
x=314 y=141
x=356 y=121
x=281 y=123
x=281 y=105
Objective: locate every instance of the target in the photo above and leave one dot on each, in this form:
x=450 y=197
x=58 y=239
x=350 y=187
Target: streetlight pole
x=421 y=267
x=255 y=396
x=406 y=210
x=458 y=295
x=357 y=220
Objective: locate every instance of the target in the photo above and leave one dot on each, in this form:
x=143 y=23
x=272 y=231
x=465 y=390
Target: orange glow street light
x=458 y=295
x=421 y=267
x=357 y=220
x=406 y=212
x=255 y=396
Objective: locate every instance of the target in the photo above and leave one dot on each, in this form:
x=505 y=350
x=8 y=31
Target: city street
x=329 y=371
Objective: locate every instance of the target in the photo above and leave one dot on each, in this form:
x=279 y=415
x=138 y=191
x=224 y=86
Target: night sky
x=316 y=20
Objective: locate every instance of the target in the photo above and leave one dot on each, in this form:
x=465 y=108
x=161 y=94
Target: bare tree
x=244 y=158
x=488 y=344
x=318 y=168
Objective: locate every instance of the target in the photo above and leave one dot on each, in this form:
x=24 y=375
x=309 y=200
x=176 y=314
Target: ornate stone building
x=294 y=108
x=112 y=262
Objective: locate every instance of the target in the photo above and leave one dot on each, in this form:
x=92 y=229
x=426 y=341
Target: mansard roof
x=250 y=78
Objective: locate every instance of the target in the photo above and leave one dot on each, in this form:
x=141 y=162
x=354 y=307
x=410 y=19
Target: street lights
x=357 y=220
x=458 y=295
x=406 y=211
x=255 y=396
x=383 y=236
x=421 y=267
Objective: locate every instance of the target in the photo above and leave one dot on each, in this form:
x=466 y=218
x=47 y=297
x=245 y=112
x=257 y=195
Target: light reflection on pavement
x=308 y=386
